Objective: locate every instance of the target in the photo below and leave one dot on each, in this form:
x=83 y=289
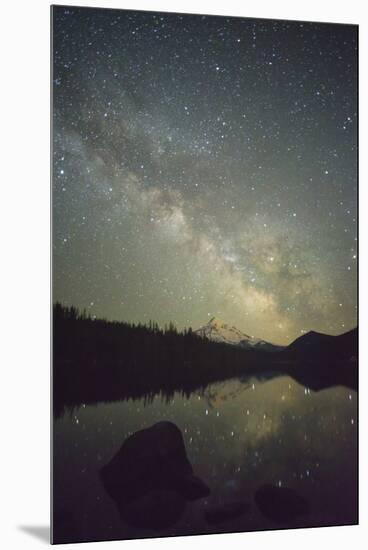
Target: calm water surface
x=238 y=436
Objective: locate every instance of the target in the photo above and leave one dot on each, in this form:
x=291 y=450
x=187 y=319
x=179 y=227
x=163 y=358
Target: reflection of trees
x=99 y=360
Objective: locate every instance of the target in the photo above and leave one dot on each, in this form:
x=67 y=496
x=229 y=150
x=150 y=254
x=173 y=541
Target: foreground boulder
x=280 y=504
x=225 y=512
x=151 y=479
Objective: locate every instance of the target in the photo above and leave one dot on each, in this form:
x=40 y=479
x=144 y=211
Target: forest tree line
x=96 y=359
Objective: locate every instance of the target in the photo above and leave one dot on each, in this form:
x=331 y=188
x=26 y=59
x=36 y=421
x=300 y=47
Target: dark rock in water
x=280 y=504
x=192 y=487
x=225 y=512
x=151 y=479
x=154 y=510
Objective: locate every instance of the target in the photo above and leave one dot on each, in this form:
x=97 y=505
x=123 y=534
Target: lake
x=238 y=435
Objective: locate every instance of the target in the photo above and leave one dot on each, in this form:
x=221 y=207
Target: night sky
x=205 y=166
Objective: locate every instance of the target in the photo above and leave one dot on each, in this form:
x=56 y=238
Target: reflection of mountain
x=321 y=360
x=98 y=360
x=218 y=331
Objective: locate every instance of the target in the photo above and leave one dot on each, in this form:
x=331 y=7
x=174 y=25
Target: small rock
x=280 y=504
x=225 y=512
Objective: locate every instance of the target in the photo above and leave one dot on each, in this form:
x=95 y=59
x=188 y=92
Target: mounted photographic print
x=204 y=203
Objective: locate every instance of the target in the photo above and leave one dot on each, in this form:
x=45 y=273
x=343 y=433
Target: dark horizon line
x=83 y=312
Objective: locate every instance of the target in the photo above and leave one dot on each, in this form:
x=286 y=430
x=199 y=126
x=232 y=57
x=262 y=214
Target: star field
x=205 y=166
x=237 y=436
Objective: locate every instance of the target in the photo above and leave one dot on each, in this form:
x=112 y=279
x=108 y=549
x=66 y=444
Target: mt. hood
x=218 y=331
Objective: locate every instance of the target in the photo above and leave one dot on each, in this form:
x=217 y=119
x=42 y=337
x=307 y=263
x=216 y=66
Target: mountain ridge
x=315 y=343
x=220 y=331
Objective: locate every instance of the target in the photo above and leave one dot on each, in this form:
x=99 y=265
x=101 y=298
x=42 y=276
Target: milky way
x=205 y=166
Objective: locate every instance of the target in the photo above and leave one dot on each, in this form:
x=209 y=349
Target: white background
x=25 y=271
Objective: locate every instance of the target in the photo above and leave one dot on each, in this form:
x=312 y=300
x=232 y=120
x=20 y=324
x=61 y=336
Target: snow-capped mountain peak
x=219 y=331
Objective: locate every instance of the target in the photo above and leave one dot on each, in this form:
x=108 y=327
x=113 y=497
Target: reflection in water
x=238 y=437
